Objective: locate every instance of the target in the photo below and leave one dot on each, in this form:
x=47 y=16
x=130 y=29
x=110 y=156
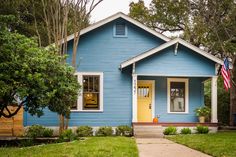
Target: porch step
x=146 y=131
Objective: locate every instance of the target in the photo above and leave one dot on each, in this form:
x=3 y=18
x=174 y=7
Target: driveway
x=160 y=147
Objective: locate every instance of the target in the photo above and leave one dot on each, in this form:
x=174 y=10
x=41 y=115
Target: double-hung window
x=177 y=95
x=90 y=98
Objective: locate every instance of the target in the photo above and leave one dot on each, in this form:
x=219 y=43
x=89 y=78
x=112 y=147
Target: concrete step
x=149 y=136
x=148 y=131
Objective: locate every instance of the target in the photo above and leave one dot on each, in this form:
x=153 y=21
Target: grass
x=222 y=144
x=91 y=147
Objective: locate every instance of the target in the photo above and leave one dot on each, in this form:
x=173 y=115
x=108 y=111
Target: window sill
x=86 y=111
x=178 y=112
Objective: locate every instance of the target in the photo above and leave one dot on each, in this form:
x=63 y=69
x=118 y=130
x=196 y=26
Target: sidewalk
x=160 y=147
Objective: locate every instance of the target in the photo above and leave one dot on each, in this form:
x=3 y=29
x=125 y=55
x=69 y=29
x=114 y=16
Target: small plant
x=186 y=131
x=104 y=131
x=203 y=111
x=47 y=132
x=124 y=130
x=170 y=131
x=67 y=135
x=35 y=131
x=202 y=129
x=84 y=131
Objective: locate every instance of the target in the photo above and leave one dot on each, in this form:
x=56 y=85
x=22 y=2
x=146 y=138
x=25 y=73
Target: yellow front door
x=144 y=96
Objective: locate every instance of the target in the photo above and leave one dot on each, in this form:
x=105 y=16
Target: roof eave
x=116 y=16
x=167 y=44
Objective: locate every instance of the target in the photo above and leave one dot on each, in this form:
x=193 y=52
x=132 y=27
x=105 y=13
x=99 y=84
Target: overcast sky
x=109 y=7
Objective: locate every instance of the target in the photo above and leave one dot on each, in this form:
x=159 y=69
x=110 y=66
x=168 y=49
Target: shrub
x=84 y=131
x=67 y=135
x=35 y=131
x=124 y=130
x=104 y=131
x=47 y=132
x=202 y=129
x=186 y=131
x=170 y=131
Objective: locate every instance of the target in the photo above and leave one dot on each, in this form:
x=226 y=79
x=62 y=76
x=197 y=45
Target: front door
x=144 y=96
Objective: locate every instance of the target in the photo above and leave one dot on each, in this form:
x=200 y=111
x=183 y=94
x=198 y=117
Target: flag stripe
x=226 y=74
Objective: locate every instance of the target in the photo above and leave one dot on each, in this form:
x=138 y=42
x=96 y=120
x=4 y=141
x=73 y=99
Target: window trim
x=120 y=36
x=186 y=81
x=80 y=96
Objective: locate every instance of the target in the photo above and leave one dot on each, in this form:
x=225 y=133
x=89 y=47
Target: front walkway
x=160 y=147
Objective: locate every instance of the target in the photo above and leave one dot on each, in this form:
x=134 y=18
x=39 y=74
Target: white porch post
x=134 y=97
x=214 y=99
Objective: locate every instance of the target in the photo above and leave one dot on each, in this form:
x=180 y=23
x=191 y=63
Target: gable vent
x=120 y=29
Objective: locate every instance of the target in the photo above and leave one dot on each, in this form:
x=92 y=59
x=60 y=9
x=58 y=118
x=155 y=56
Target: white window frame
x=120 y=36
x=80 y=96
x=186 y=81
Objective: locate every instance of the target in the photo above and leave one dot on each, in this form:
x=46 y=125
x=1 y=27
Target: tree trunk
x=233 y=92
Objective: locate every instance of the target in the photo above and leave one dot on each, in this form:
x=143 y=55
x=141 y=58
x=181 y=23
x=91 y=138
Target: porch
x=172 y=99
x=177 y=71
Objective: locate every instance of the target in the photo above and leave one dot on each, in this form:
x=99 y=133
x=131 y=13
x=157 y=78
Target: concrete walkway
x=160 y=147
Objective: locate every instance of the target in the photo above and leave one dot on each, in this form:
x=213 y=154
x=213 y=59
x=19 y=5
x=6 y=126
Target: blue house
x=130 y=74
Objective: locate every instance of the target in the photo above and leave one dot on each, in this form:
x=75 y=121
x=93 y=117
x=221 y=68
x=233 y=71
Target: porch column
x=214 y=99
x=134 y=97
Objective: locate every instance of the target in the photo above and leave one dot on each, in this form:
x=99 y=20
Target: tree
x=209 y=24
x=61 y=17
x=33 y=77
x=25 y=18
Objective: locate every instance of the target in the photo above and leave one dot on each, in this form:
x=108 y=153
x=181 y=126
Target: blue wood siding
x=195 y=99
x=100 y=51
x=185 y=63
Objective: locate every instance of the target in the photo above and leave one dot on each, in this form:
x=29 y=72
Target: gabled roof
x=114 y=17
x=166 y=45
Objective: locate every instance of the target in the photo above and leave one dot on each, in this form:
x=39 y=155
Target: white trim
x=134 y=98
x=214 y=99
x=153 y=94
x=186 y=81
x=168 y=44
x=166 y=75
x=80 y=97
x=114 y=17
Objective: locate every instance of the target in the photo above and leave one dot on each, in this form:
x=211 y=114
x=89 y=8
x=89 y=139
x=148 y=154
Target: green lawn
x=220 y=144
x=91 y=147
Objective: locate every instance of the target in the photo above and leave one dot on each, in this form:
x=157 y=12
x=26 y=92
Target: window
x=143 y=91
x=120 y=30
x=91 y=96
x=91 y=92
x=177 y=96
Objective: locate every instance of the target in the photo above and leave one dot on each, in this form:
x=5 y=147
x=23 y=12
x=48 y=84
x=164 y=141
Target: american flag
x=226 y=74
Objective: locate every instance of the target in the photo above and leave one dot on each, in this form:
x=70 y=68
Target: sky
x=109 y=7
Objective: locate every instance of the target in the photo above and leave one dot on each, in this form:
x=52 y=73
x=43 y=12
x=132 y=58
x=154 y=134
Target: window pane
x=96 y=84
x=91 y=93
x=91 y=101
x=85 y=83
x=177 y=97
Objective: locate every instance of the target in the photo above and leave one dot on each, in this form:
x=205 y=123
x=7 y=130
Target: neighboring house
x=131 y=73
